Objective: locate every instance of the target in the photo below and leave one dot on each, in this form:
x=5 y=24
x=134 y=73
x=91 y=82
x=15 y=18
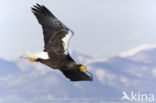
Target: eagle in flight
x=56 y=40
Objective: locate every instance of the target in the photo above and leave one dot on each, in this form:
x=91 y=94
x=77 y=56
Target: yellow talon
x=83 y=68
x=32 y=59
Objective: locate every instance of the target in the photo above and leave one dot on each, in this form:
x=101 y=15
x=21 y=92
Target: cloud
x=125 y=81
x=105 y=77
x=34 y=78
x=137 y=50
x=154 y=72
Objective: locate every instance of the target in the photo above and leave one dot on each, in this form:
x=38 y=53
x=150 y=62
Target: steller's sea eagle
x=56 y=40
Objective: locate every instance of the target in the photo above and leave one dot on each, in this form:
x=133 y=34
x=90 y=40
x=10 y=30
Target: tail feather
x=39 y=55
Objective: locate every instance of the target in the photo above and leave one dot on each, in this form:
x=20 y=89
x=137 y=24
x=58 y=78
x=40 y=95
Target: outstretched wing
x=77 y=75
x=50 y=24
x=56 y=34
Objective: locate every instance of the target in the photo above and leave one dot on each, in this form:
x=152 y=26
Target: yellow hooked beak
x=32 y=59
x=83 y=68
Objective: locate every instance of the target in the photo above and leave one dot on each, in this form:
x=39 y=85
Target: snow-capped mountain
x=134 y=70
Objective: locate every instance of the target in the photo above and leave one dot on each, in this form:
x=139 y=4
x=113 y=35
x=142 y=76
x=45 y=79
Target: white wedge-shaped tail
x=39 y=55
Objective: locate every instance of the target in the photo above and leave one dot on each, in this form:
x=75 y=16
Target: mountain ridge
x=35 y=81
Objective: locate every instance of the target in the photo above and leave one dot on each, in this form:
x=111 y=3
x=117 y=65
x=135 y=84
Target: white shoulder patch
x=66 y=40
x=39 y=55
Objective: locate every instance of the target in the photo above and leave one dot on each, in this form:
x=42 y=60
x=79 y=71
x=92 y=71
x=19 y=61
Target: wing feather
x=50 y=24
x=77 y=75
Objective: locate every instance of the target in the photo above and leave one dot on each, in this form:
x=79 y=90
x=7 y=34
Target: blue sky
x=102 y=27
